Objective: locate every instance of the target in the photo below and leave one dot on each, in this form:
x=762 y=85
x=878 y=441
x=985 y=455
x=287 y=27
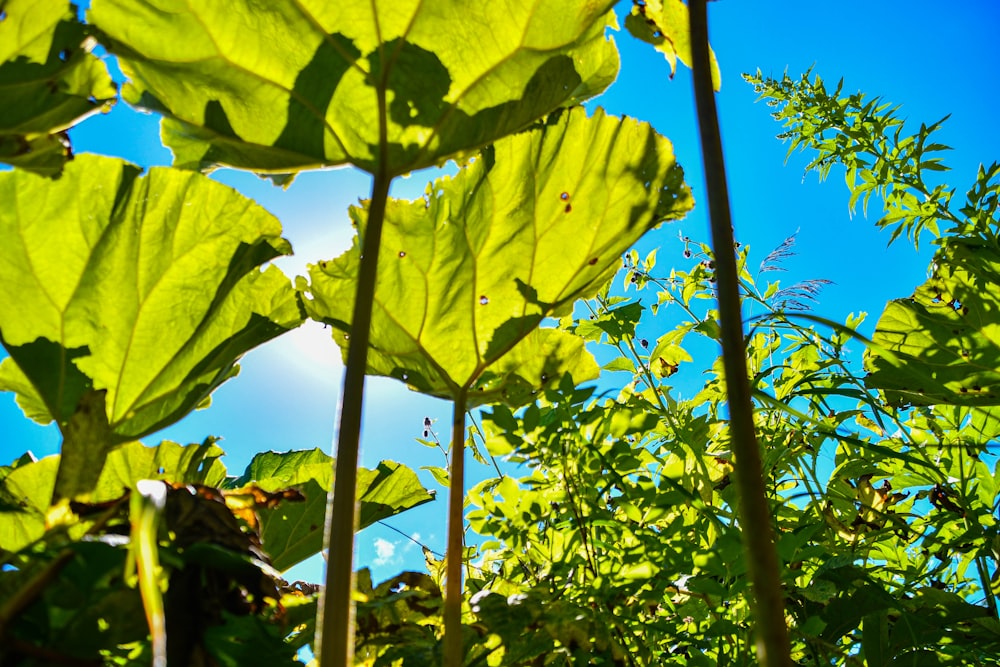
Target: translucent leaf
x=133 y=285
x=524 y=230
x=191 y=464
x=127 y=301
x=393 y=85
x=29 y=489
x=942 y=345
x=49 y=81
x=292 y=532
x=665 y=25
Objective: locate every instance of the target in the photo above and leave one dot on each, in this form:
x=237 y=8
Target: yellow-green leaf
x=49 y=81
x=146 y=288
x=396 y=85
x=942 y=345
x=529 y=226
x=293 y=531
x=665 y=25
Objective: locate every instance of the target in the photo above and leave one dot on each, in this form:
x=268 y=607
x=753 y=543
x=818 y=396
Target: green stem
x=772 y=642
x=335 y=616
x=456 y=530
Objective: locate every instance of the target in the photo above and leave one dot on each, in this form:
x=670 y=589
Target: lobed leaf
x=526 y=228
x=49 y=81
x=125 y=300
x=26 y=490
x=942 y=345
x=300 y=84
x=292 y=532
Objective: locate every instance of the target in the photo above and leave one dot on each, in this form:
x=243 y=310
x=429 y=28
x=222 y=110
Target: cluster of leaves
x=619 y=542
x=73 y=586
x=936 y=346
x=157 y=291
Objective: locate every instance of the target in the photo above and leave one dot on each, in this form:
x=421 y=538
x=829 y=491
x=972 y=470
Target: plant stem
x=772 y=635
x=456 y=530
x=335 y=615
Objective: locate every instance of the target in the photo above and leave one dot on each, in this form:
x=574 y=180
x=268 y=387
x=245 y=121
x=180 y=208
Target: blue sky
x=933 y=58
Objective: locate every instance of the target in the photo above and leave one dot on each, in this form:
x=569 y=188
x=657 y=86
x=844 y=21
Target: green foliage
x=215 y=543
x=940 y=345
x=664 y=24
x=613 y=538
x=49 y=81
x=525 y=229
x=293 y=532
x=386 y=86
x=866 y=137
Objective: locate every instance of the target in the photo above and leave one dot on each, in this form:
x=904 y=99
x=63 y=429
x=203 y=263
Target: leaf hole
x=483 y=300
x=65 y=54
x=402 y=253
x=564 y=196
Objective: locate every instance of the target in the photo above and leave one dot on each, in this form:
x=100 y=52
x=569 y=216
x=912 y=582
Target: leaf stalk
x=456 y=531
x=335 y=615
x=772 y=635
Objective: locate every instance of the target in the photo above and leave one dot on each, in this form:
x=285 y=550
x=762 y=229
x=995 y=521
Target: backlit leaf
x=29 y=489
x=292 y=532
x=664 y=24
x=942 y=345
x=145 y=295
x=130 y=291
x=298 y=84
x=524 y=230
x=49 y=81
x=190 y=464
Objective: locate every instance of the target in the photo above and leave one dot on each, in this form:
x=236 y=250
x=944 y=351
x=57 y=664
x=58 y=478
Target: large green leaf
x=292 y=532
x=126 y=301
x=532 y=224
x=942 y=345
x=295 y=84
x=49 y=81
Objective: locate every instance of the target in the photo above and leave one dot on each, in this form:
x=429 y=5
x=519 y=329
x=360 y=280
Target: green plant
x=621 y=538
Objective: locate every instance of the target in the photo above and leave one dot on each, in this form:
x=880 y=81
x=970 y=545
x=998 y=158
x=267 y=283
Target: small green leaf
x=439 y=474
x=620 y=364
x=665 y=25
